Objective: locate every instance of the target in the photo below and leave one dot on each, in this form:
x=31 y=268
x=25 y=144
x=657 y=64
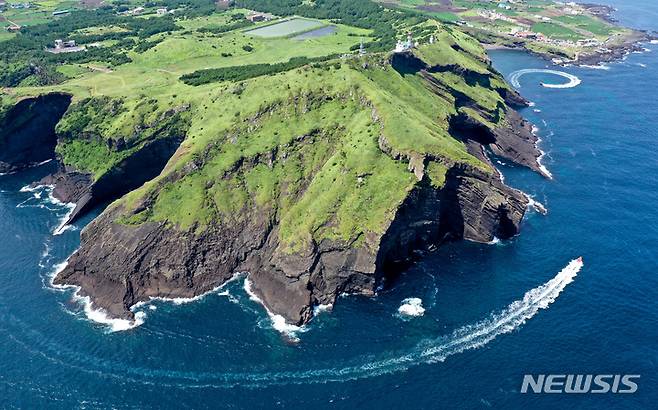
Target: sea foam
x=97 y=315
x=536 y=205
x=37 y=194
x=542 y=154
x=278 y=322
x=411 y=307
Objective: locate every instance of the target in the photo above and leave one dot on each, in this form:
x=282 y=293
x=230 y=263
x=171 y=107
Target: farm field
x=548 y=27
x=39 y=12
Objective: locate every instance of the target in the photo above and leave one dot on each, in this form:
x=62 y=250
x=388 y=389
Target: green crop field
x=596 y=27
x=557 y=31
x=40 y=12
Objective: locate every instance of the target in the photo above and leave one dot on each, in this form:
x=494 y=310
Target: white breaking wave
x=429 y=350
x=28 y=188
x=573 y=80
x=412 y=307
x=278 y=322
x=96 y=315
x=37 y=194
x=536 y=205
x=542 y=154
x=542 y=167
x=182 y=301
x=596 y=67
x=322 y=308
x=494 y=241
x=62 y=227
x=100 y=316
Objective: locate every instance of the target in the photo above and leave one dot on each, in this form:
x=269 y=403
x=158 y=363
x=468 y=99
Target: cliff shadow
x=27 y=131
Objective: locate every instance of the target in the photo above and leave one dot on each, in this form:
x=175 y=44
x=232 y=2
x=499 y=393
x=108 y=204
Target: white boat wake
x=573 y=80
x=428 y=350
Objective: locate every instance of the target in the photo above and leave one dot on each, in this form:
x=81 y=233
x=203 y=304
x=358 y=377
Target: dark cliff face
x=120 y=265
x=27 y=131
x=145 y=164
x=513 y=140
x=28 y=137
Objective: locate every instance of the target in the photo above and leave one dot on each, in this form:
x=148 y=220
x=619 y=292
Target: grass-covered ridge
x=325 y=151
x=97 y=133
x=308 y=153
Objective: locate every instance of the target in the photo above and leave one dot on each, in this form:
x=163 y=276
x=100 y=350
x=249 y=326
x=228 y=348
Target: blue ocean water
x=493 y=312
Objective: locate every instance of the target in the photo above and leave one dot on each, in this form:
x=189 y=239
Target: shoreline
x=597 y=59
x=613 y=53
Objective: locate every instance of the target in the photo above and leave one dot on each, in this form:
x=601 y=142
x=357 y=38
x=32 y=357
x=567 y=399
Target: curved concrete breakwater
x=573 y=80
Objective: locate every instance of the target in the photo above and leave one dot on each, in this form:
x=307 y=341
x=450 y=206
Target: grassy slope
x=341 y=186
x=333 y=182
x=150 y=83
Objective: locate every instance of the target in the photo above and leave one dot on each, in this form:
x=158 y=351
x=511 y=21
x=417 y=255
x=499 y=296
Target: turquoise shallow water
x=476 y=339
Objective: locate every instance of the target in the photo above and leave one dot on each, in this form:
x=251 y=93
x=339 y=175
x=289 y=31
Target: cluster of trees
x=244 y=72
x=236 y=25
x=357 y=13
x=23 y=59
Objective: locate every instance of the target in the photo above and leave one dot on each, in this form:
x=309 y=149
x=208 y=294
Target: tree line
x=244 y=72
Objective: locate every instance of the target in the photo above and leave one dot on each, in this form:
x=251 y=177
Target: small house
x=62 y=46
x=258 y=17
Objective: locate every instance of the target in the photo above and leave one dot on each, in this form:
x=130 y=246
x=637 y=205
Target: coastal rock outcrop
x=80 y=188
x=153 y=259
x=377 y=164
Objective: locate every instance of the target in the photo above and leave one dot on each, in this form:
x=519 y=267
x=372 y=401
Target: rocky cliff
x=27 y=131
x=92 y=168
x=360 y=181
x=79 y=187
x=120 y=265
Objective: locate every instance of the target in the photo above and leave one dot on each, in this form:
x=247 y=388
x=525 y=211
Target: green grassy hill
x=314 y=164
x=328 y=149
